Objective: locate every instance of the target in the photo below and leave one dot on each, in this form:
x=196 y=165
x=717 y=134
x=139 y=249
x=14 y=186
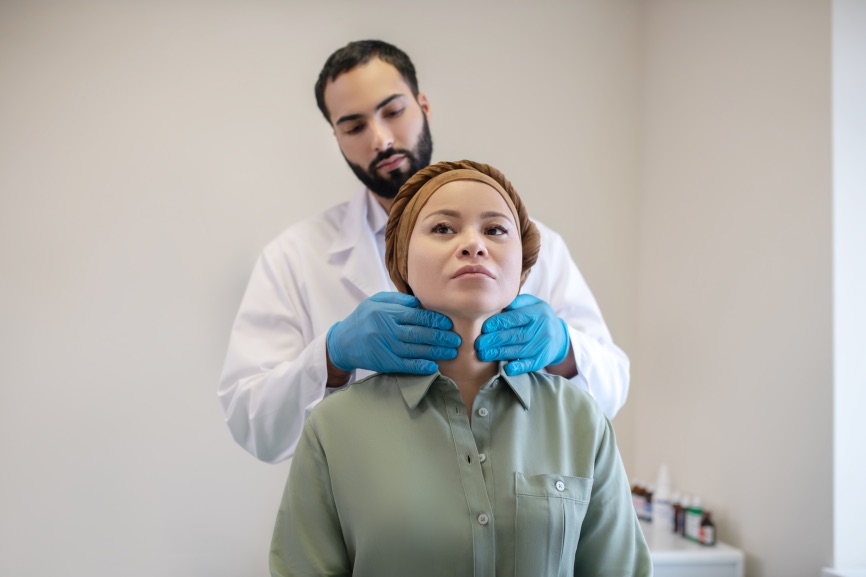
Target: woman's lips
x=473 y=271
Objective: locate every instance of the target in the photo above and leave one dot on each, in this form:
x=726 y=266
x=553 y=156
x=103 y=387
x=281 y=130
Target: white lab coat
x=315 y=273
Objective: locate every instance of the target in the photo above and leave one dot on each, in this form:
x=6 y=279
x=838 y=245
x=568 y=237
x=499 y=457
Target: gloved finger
x=518 y=336
x=522 y=366
x=415 y=367
x=409 y=351
x=506 y=320
x=424 y=318
x=521 y=301
x=425 y=336
x=501 y=353
x=396 y=298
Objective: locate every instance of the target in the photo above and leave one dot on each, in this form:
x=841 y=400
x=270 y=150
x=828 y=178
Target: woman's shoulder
x=558 y=392
x=368 y=393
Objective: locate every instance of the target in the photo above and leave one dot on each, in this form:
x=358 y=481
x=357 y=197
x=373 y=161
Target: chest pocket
x=550 y=512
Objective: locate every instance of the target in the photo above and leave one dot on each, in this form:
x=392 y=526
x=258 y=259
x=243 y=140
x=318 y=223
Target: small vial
x=694 y=516
x=677 y=506
x=648 y=511
x=707 y=534
x=681 y=515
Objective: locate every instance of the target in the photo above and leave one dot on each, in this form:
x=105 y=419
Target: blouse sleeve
x=611 y=542
x=308 y=539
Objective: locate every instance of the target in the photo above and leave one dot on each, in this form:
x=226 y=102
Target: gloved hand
x=527 y=333
x=387 y=333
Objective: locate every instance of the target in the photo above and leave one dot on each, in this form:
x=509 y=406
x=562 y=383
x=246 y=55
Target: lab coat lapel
x=356 y=244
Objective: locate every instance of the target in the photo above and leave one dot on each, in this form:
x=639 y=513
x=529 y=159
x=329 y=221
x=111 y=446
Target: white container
x=663 y=509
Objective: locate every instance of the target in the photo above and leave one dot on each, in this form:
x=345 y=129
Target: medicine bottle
x=694 y=517
x=681 y=515
x=648 y=508
x=676 y=513
x=662 y=508
x=707 y=533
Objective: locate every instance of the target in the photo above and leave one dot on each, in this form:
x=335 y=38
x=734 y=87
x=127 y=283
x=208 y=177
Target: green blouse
x=390 y=479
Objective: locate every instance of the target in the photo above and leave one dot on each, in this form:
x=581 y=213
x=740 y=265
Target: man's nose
x=383 y=138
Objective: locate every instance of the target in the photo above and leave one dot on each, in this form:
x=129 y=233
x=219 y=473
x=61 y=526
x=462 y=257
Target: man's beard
x=388 y=186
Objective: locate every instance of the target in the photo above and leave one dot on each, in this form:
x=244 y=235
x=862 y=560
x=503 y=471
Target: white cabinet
x=675 y=556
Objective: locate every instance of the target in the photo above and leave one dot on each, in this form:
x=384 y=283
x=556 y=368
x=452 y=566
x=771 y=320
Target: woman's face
x=465 y=254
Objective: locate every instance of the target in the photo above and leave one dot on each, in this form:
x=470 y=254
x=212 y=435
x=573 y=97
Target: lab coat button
x=483 y=519
x=482 y=457
x=482 y=412
x=560 y=486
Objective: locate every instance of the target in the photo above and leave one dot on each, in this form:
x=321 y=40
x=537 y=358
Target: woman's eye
x=497 y=230
x=442 y=228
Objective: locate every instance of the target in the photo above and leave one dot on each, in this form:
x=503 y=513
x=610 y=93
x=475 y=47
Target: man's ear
x=424 y=103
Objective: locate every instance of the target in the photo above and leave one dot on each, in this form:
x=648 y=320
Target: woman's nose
x=473 y=245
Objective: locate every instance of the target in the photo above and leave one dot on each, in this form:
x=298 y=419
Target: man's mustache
x=387 y=154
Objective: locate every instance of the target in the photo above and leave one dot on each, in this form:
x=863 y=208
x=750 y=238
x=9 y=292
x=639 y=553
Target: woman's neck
x=467 y=370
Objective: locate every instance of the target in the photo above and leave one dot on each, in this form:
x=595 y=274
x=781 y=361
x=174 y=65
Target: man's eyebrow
x=380 y=106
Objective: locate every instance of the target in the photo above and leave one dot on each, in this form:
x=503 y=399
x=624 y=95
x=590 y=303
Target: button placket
x=475 y=485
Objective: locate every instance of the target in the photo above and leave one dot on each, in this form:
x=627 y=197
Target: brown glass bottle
x=678 y=514
x=707 y=534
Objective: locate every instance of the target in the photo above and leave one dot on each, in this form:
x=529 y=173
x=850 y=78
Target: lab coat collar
x=358 y=219
x=355 y=244
x=377 y=217
x=415 y=387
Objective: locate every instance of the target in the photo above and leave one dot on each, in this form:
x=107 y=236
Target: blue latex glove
x=387 y=333
x=527 y=333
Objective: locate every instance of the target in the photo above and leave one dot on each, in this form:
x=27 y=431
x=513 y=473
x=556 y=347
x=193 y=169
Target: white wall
x=149 y=150
x=849 y=281
x=733 y=370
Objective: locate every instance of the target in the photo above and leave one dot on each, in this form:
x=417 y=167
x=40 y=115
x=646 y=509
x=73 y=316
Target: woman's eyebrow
x=494 y=214
x=443 y=212
x=456 y=214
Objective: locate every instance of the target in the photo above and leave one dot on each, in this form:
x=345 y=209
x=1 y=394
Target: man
x=321 y=311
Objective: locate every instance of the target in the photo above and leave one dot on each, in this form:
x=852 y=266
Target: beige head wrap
x=417 y=191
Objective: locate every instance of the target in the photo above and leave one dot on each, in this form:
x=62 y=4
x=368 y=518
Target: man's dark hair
x=360 y=52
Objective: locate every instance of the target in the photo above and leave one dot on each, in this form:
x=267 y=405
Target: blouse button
x=483 y=519
x=560 y=486
x=482 y=412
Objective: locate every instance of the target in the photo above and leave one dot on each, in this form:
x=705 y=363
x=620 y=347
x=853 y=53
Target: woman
x=467 y=471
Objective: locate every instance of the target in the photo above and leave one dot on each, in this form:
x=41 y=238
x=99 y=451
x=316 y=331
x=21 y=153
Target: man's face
x=380 y=127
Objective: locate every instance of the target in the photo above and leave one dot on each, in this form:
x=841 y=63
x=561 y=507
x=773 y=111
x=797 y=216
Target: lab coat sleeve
x=611 y=542
x=275 y=369
x=603 y=368
x=308 y=538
